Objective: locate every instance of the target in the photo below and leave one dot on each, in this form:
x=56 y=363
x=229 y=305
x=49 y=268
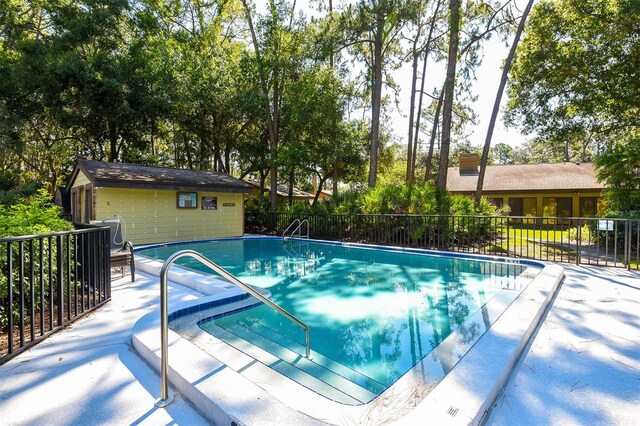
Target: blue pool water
x=373 y=313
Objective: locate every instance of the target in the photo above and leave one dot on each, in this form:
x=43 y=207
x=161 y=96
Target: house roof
x=124 y=175
x=527 y=177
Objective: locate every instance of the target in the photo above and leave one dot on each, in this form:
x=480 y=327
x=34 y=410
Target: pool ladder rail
x=297 y=231
x=165 y=398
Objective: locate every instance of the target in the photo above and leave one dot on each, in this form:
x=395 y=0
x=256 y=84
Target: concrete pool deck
x=582 y=367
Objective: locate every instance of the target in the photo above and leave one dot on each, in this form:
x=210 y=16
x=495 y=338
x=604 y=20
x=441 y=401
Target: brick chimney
x=468 y=164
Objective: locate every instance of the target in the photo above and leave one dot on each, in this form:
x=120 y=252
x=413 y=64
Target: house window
x=588 y=206
x=557 y=206
x=498 y=202
x=525 y=206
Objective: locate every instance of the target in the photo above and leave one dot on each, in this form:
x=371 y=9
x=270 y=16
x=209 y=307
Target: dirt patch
x=44 y=323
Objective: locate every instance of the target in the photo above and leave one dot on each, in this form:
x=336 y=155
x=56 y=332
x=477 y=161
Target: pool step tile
x=350 y=374
x=295 y=365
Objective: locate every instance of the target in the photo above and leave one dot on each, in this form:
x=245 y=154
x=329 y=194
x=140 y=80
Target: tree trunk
x=318 y=190
x=113 y=142
x=376 y=97
x=263 y=178
x=432 y=140
x=227 y=159
x=416 y=135
x=412 y=105
x=271 y=116
x=217 y=156
x=496 y=104
x=291 y=181
x=335 y=125
x=450 y=82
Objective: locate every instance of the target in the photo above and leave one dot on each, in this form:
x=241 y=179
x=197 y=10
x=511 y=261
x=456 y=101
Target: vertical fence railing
x=578 y=240
x=48 y=281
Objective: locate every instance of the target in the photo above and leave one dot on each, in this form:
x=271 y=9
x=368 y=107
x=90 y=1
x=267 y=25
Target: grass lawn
x=538 y=234
x=535 y=243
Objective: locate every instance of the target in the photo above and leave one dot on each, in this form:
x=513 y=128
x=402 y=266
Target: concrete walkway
x=88 y=374
x=583 y=367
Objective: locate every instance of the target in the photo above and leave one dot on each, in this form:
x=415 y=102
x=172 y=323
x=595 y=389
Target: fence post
x=508 y=238
x=627 y=243
x=59 y=276
x=578 y=241
x=10 y=295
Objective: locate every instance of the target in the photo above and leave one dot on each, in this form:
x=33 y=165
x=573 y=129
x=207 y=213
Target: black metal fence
x=48 y=281
x=594 y=241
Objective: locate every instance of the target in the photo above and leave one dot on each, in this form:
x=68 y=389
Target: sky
x=485 y=87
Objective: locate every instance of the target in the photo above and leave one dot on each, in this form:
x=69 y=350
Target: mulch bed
x=38 y=331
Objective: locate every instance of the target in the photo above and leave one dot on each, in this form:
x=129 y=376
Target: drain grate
x=452 y=411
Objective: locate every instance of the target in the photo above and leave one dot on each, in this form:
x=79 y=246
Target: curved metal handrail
x=164 y=319
x=295 y=221
x=298 y=229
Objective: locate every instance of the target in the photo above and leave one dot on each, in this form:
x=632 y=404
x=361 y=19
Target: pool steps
x=349 y=373
x=292 y=364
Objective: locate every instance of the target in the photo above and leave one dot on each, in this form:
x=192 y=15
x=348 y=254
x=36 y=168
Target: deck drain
x=452 y=411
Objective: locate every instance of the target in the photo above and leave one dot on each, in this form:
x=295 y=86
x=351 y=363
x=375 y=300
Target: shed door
x=76 y=204
x=88 y=204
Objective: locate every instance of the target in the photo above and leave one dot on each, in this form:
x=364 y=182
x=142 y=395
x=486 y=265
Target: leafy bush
x=33 y=216
x=346 y=202
x=12 y=190
x=415 y=216
x=399 y=199
x=618 y=168
x=419 y=199
x=586 y=234
x=257 y=204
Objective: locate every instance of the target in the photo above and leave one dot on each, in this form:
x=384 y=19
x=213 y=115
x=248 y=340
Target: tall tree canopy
x=575 y=84
x=576 y=69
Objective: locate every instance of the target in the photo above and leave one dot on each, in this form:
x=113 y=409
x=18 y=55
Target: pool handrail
x=298 y=229
x=165 y=400
x=291 y=225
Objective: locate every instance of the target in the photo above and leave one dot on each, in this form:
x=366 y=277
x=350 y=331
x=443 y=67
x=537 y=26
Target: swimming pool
x=374 y=313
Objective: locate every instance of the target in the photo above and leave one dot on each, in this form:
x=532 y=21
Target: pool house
x=158 y=204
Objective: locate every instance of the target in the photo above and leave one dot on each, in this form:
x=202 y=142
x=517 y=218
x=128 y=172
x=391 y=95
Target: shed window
x=187 y=200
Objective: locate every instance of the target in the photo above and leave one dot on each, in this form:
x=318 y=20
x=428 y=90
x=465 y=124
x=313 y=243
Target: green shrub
x=28 y=216
x=418 y=199
x=586 y=236
x=399 y=199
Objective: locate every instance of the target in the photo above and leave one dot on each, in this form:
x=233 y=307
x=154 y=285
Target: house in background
x=325 y=194
x=299 y=196
x=158 y=204
x=548 y=190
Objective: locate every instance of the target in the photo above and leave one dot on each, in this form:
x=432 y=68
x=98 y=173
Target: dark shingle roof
x=123 y=175
x=528 y=177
